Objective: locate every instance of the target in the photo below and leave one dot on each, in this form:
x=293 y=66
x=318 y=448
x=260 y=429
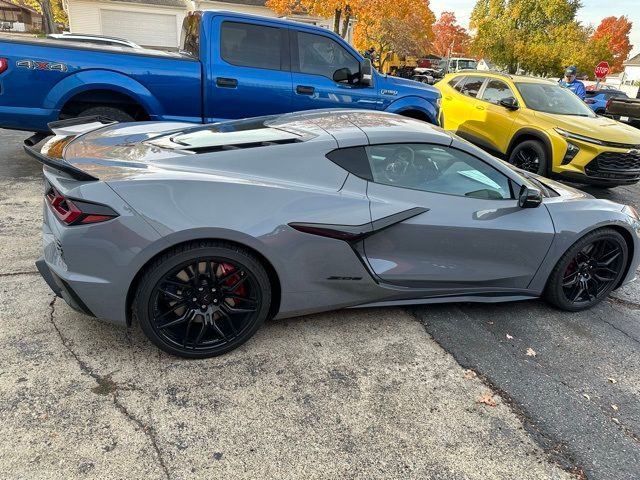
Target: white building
x=632 y=69
x=156 y=23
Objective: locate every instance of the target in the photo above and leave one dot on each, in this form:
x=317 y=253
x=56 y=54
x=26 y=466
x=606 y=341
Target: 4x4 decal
x=39 y=65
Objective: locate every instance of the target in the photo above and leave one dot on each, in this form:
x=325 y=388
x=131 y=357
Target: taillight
x=76 y=212
x=4 y=64
x=606 y=107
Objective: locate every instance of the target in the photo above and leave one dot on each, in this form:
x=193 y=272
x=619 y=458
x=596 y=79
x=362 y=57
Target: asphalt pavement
x=458 y=391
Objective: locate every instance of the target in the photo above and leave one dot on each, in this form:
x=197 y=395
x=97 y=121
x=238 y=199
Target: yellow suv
x=539 y=126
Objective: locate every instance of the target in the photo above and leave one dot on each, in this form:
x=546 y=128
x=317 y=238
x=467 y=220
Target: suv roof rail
x=492 y=72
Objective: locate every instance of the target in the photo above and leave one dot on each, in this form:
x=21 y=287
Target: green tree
x=525 y=33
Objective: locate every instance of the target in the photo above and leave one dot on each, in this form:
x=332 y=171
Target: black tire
x=225 y=330
x=110 y=112
x=530 y=155
x=561 y=286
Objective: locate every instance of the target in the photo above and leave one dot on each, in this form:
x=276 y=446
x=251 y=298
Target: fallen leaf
x=487 y=399
x=531 y=352
x=615 y=407
x=509 y=337
x=470 y=374
x=612 y=380
x=616 y=420
x=490 y=322
x=586 y=396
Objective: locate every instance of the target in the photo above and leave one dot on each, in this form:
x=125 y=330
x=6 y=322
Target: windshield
x=550 y=98
x=467 y=64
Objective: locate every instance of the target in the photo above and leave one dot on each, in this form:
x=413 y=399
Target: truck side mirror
x=342 y=75
x=529 y=197
x=366 y=73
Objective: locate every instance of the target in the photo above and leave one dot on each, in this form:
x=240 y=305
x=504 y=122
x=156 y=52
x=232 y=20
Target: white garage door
x=148 y=29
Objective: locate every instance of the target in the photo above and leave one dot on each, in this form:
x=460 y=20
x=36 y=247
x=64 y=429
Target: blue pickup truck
x=229 y=66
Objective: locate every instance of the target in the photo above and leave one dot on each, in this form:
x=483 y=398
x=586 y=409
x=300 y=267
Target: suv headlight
x=630 y=211
x=575 y=136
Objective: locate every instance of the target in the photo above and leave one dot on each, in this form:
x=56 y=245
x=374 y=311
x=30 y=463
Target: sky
x=592 y=12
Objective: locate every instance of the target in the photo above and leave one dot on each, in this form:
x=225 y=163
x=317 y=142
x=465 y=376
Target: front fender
x=97 y=79
x=414 y=103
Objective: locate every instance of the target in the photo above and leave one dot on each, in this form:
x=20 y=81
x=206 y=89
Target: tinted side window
x=495 y=91
x=320 y=55
x=250 y=45
x=353 y=160
x=457 y=83
x=472 y=86
x=436 y=169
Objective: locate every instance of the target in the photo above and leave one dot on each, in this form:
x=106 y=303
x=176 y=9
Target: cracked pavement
x=354 y=393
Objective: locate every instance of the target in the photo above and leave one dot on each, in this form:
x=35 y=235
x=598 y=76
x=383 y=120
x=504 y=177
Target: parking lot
x=451 y=391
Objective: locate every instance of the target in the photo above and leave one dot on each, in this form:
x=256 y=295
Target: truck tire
x=109 y=112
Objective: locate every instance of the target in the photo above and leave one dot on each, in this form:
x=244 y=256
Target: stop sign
x=602 y=70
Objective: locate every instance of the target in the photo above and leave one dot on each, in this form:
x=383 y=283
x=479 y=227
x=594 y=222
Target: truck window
x=320 y=55
x=249 y=45
x=190 y=36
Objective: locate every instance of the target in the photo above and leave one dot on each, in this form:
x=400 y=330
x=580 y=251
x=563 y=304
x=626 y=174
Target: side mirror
x=342 y=75
x=366 y=73
x=529 y=197
x=509 y=103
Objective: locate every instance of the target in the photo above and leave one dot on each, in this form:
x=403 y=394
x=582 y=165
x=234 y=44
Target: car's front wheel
x=531 y=156
x=202 y=299
x=588 y=271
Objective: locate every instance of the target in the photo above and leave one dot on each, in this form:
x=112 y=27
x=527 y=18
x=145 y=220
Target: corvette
x=200 y=233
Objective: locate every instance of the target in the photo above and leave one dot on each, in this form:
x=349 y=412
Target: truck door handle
x=226 y=82
x=305 y=90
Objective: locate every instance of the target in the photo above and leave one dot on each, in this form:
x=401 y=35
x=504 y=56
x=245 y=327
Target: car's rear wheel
x=531 y=156
x=588 y=271
x=202 y=299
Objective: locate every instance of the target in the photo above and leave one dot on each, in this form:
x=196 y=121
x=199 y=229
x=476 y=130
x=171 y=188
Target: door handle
x=448 y=97
x=226 y=82
x=479 y=107
x=305 y=90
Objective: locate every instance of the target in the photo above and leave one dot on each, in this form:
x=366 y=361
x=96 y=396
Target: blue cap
x=570 y=71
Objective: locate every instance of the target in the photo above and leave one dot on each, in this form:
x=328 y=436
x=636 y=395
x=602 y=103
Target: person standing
x=572 y=83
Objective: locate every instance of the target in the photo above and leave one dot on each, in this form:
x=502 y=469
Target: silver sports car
x=200 y=233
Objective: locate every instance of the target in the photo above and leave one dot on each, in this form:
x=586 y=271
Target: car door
x=249 y=70
x=326 y=75
x=473 y=234
x=469 y=117
x=500 y=121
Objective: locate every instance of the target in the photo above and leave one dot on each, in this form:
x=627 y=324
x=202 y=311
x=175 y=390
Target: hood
x=408 y=87
x=600 y=128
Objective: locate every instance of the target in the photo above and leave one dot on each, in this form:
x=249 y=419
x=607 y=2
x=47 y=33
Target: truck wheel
x=109 y=112
x=531 y=156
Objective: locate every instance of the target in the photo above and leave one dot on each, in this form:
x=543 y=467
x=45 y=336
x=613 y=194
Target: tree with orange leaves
x=342 y=11
x=449 y=35
x=403 y=27
x=616 y=31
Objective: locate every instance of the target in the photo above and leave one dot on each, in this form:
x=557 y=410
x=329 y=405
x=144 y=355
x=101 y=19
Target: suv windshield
x=550 y=98
x=467 y=64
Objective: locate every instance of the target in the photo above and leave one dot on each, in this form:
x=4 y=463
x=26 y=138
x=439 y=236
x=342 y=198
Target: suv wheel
x=531 y=156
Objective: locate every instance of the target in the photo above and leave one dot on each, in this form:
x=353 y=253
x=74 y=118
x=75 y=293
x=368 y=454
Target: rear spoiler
x=71 y=127
x=60 y=165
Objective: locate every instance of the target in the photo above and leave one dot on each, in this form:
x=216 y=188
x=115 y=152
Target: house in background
x=485 y=64
x=632 y=70
x=18 y=18
x=156 y=23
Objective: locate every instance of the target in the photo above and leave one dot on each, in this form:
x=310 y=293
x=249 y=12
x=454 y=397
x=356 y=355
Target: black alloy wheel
x=588 y=271
x=531 y=156
x=203 y=302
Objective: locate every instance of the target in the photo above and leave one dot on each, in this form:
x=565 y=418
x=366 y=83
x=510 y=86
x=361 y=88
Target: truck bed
x=45 y=77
